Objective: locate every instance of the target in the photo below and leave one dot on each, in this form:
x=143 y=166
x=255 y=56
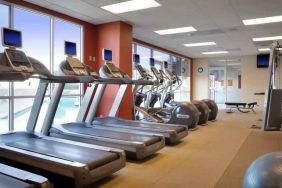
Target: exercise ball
x=187 y=109
x=265 y=172
x=204 y=111
x=213 y=109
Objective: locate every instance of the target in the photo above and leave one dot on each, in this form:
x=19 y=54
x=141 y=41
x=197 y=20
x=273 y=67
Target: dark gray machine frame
x=84 y=163
x=136 y=144
x=172 y=133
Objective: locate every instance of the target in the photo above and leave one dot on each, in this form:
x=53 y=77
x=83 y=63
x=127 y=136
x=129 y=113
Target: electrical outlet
x=90 y=58
x=93 y=59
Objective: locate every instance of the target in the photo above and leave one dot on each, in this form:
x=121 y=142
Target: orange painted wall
x=116 y=36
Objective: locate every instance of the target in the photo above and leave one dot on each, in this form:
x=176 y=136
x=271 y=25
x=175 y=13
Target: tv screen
x=165 y=64
x=136 y=58
x=12 y=38
x=70 y=48
x=152 y=62
x=107 y=55
x=262 y=60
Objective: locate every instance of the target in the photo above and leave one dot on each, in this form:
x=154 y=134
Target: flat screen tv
x=262 y=60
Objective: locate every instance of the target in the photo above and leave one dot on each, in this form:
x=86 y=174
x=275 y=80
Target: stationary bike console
x=18 y=60
x=142 y=72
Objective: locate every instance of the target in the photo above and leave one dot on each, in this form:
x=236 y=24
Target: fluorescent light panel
x=129 y=6
x=215 y=52
x=267 y=38
x=228 y=60
x=263 y=20
x=266 y=49
x=176 y=30
x=200 y=44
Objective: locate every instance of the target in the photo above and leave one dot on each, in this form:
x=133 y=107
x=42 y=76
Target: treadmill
x=82 y=163
x=172 y=133
x=137 y=145
x=13 y=177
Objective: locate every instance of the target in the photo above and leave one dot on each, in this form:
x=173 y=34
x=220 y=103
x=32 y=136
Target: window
x=145 y=55
x=161 y=56
x=4 y=115
x=64 y=31
x=178 y=64
x=36 y=31
x=73 y=34
x=36 y=43
x=4 y=86
x=68 y=106
x=67 y=110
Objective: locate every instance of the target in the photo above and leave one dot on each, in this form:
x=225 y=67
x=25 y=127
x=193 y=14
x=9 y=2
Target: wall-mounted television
x=262 y=60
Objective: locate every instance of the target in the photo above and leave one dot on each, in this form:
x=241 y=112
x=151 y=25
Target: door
x=217 y=84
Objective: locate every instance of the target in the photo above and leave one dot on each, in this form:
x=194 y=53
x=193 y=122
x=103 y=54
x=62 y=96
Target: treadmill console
x=91 y=71
x=16 y=58
x=115 y=72
x=77 y=67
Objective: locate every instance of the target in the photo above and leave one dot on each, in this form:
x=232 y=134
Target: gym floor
x=216 y=155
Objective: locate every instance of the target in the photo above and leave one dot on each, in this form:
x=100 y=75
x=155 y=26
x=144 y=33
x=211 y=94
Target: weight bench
x=241 y=107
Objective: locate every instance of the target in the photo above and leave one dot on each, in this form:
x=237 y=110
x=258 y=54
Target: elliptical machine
x=183 y=113
x=173 y=83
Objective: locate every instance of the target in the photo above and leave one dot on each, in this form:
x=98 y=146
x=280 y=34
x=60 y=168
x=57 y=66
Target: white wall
x=253 y=79
x=200 y=80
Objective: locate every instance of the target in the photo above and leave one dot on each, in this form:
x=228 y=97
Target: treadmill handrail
x=57 y=79
x=142 y=82
x=112 y=81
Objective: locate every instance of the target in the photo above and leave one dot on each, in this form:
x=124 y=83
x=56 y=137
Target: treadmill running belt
x=119 y=122
x=7 y=181
x=93 y=158
x=81 y=128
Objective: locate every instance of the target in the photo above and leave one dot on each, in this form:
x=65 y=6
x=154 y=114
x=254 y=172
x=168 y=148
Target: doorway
x=225 y=81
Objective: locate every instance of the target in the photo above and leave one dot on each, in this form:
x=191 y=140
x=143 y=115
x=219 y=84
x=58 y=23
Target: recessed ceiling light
x=264 y=20
x=176 y=30
x=200 y=44
x=132 y=5
x=267 y=38
x=215 y=52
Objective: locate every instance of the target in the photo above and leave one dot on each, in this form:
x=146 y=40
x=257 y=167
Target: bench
x=241 y=107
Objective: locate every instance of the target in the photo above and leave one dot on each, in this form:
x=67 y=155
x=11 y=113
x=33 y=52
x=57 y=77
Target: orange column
x=116 y=36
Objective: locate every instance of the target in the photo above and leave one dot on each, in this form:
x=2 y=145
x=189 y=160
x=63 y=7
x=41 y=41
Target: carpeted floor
x=215 y=155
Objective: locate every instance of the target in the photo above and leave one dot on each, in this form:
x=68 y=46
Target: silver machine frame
x=272 y=111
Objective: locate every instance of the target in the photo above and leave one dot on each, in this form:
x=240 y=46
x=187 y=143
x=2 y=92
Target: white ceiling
x=216 y=20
